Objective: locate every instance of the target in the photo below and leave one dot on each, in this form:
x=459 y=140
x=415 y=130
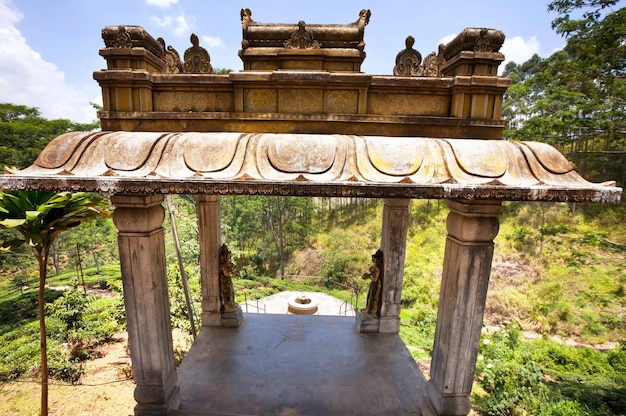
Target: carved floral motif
x=122 y=38
x=261 y=101
x=483 y=42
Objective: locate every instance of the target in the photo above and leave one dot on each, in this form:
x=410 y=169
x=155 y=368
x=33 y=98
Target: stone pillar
x=393 y=246
x=472 y=226
x=139 y=220
x=209 y=233
x=210 y=236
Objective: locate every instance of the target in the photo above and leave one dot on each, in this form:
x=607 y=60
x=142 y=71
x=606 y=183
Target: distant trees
x=576 y=98
x=263 y=231
x=24 y=133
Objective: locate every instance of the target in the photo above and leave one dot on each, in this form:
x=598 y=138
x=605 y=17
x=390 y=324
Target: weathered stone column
x=472 y=226
x=209 y=234
x=139 y=220
x=393 y=246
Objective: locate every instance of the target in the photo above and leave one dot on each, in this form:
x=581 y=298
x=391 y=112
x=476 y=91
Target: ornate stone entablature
x=313 y=165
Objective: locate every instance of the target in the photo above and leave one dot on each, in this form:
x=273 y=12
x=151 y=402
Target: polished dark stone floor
x=295 y=365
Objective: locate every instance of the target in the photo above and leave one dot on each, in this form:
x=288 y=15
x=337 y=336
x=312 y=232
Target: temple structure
x=301 y=119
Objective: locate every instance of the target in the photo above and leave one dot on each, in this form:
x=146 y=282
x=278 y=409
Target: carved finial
x=197 y=59
x=408 y=60
x=173 y=64
x=302 y=38
x=364 y=17
x=246 y=19
x=246 y=14
x=122 y=38
x=194 y=40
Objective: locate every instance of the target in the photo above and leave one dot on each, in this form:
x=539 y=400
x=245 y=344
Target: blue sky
x=49 y=49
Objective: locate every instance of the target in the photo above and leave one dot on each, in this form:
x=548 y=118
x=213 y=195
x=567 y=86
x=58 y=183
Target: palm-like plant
x=39 y=218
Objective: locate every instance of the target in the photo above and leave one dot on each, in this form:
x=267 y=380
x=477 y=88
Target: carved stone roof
x=275 y=35
x=327 y=47
x=308 y=165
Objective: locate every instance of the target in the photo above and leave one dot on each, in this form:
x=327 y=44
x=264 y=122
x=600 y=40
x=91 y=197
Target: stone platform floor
x=295 y=365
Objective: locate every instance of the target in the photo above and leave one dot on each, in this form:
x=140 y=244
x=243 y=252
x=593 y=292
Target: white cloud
x=213 y=42
x=180 y=25
x=27 y=79
x=447 y=39
x=164 y=4
x=519 y=50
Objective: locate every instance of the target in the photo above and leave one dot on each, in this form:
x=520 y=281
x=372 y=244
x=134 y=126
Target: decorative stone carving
x=483 y=43
x=433 y=63
x=227 y=272
x=197 y=59
x=364 y=19
x=329 y=47
x=475 y=40
x=302 y=38
x=122 y=38
x=246 y=19
x=341 y=102
x=261 y=100
x=408 y=61
x=375 y=275
x=173 y=65
x=327 y=165
x=127 y=37
x=307 y=101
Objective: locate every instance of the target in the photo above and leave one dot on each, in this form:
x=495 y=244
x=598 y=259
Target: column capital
x=476 y=208
x=136 y=201
x=474 y=222
x=138 y=213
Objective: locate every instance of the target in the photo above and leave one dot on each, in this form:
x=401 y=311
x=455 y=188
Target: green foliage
x=178 y=305
x=262 y=231
x=574 y=99
x=24 y=133
x=77 y=324
x=70 y=309
x=545 y=378
x=40 y=217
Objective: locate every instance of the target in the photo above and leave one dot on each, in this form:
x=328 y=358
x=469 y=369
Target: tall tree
x=576 y=98
x=288 y=219
x=39 y=218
